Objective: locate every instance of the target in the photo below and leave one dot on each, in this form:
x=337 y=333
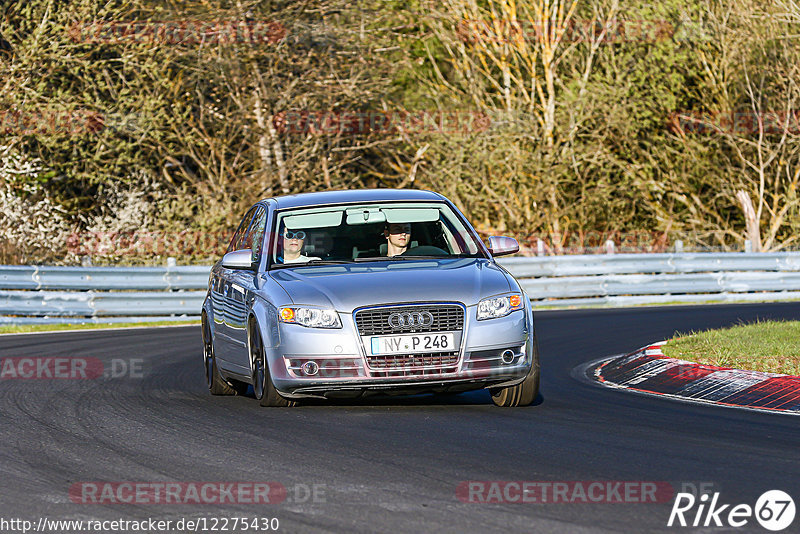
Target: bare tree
x=753 y=115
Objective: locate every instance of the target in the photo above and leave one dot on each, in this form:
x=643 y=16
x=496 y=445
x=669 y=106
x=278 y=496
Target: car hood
x=346 y=287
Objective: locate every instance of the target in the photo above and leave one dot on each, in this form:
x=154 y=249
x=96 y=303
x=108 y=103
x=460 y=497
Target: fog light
x=310 y=368
x=508 y=356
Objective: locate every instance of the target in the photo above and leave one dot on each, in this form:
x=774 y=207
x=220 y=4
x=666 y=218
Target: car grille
x=375 y=321
x=428 y=365
x=409 y=361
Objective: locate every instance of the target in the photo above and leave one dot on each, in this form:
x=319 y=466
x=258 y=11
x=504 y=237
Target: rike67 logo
x=774 y=510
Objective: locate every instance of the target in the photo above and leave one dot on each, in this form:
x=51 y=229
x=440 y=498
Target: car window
x=254 y=235
x=364 y=232
x=236 y=240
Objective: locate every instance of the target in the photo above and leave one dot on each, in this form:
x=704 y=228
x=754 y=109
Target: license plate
x=432 y=342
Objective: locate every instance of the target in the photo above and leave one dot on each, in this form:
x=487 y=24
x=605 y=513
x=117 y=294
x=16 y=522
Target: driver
x=398 y=236
x=293 y=241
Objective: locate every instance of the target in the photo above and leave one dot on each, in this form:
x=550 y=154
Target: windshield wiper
x=401 y=257
x=422 y=257
x=309 y=262
x=374 y=258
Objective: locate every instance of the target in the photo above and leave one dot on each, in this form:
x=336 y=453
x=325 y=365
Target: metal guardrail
x=107 y=294
x=93 y=303
x=631 y=279
x=103 y=278
x=46 y=294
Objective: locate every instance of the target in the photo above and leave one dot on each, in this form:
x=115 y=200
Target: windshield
x=370 y=232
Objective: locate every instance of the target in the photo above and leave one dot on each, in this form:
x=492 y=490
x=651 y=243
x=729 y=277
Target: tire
x=216 y=384
x=263 y=387
x=524 y=393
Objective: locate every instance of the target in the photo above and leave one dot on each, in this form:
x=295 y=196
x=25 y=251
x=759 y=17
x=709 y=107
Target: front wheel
x=263 y=388
x=524 y=393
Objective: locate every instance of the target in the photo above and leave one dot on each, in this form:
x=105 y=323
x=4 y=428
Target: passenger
x=293 y=241
x=398 y=236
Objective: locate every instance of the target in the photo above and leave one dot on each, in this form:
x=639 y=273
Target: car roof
x=353 y=195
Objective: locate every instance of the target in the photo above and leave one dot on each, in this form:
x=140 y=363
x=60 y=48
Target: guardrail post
x=678 y=247
x=748 y=246
x=539 y=247
x=609 y=247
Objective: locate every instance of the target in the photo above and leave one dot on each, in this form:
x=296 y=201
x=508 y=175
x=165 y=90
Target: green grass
x=770 y=346
x=19 y=329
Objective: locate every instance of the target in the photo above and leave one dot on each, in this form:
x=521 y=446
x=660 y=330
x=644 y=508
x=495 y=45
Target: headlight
x=498 y=306
x=311 y=317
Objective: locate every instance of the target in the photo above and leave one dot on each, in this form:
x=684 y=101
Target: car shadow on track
x=469 y=398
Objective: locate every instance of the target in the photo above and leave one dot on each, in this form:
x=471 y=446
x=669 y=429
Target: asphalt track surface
x=390 y=465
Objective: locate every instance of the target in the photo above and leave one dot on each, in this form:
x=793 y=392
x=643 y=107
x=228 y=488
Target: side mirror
x=501 y=246
x=238 y=259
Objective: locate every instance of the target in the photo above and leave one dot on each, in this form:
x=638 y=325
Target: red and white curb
x=648 y=371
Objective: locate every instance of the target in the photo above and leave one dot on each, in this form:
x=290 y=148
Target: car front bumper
x=342 y=367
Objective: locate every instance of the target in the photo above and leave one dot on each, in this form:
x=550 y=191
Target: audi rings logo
x=408 y=319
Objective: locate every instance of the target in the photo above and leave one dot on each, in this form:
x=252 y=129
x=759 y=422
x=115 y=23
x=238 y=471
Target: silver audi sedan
x=353 y=293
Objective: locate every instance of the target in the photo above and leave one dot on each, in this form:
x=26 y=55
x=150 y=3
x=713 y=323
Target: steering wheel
x=425 y=250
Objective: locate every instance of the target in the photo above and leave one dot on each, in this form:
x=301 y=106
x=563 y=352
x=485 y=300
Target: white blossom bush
x=32 y=226
x=127 y=207
x=35 y=229
x=127 y=223
x=138 y=222
x=130 y=222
